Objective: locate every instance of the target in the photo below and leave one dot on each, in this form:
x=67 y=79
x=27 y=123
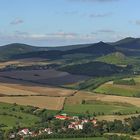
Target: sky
x=66 y=22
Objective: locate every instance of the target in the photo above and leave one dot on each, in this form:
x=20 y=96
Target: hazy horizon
x=66 y=44
x=68 y=22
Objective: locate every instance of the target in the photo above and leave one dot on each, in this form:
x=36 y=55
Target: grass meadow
x=14 y=115
x=120 y=90
x=100 y=107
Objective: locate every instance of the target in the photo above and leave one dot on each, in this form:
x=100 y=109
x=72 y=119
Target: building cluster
x=74 y=123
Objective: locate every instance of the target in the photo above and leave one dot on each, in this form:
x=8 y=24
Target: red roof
x=61 y=117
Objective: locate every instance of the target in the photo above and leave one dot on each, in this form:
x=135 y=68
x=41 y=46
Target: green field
x=121 y=90
x=98 y=138
x=14 y=115
x=101 y=107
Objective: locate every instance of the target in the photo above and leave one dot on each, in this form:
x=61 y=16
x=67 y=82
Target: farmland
x=83 y=95
x=106 y=104
x=121 y=90
x=29 y=93
x=51 y=103
x=15 y=87
x=100 y=108
x=46 y=77
x=24 y=62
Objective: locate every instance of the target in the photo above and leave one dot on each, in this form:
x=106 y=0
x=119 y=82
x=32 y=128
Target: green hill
x=12 y=49
x=116 y=58
x=16 y=49
x=94 y=69
x=95 y=50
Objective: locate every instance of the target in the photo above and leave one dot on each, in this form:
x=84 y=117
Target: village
x=75 y=123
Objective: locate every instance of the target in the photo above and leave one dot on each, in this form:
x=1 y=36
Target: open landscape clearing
x=12 y=115
x=24 y=62
x=13 y=87
x=121 y=90
x=51 y=103
x=101 y=108
x=70 y=70
x=46 y=77
x=83 y=95
x=106 y=104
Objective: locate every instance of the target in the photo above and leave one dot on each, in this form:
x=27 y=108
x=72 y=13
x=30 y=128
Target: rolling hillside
x=117 y=58
x=96 y=50
x=16 y=48
x=128 y=43
x=94 y=69
x=128 y=46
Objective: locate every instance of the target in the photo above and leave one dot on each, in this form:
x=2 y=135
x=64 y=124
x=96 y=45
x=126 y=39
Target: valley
x=98 y=80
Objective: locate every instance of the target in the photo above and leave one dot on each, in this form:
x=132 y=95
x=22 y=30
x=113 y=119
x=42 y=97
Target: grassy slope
x=13 y=113
x=121 y=90
x=102 y=107
x=118 y=90
x=116 y=58
x=93 y=83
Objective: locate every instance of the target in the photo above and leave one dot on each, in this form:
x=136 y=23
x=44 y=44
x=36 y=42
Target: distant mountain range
x=127 y=46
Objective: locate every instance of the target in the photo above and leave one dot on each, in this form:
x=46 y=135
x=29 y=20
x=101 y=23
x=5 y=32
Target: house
x=76 y=126
x=48 y=131
x=94 y=122
x=24 y=132
x=79 y=127
x=62 y=117
x=71 y=126
x=75 y=118
x=84 y=121
x=12 y=136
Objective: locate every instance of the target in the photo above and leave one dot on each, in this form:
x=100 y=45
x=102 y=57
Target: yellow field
x=17 y=87
x=52 y=103
x=77 y=98
x=13 y=91
x=24 y=62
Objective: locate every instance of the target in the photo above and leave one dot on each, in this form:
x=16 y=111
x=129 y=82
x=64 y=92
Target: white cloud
x=50 y=37
x=100 y=15
x=16 y=21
